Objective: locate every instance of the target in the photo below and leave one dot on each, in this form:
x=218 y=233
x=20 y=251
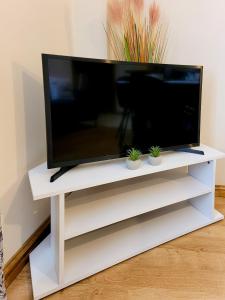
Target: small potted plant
x=154 y=156
x=133 y=159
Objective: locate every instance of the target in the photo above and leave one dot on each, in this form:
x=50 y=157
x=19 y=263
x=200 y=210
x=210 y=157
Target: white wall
x=88 y=34
x=196 y=36
x=30 y=27
x=27 y=28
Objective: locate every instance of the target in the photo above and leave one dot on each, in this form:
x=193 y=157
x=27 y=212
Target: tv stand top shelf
x=95 y=174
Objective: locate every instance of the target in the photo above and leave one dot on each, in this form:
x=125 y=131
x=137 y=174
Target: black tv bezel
x=51 y=163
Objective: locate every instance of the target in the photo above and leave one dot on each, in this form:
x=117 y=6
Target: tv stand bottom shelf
x=98 y=250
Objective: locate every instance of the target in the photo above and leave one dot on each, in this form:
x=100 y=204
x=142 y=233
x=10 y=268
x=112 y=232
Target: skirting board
x=19 y=260
x=220 y=191
x=15 y=265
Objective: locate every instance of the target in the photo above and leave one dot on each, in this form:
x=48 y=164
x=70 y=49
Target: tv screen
x=98 y=109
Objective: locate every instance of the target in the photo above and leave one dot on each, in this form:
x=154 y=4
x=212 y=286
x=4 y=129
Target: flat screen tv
x=98 y=109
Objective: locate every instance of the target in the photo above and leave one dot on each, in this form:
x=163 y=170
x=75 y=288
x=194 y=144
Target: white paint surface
x=94 y=174
x=89 y=210
x=27 y=28
x=98 y=250
x=75 y=27
x=101 y=249
x=156 y=202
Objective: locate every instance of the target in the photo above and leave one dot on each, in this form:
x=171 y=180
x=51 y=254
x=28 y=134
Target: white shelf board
x=101 y=206
x=95 y=174
x=98 y=250
x=42 y=268
x=103 y=248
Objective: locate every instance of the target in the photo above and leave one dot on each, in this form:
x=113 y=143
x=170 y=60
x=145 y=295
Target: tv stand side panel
x=57 y=234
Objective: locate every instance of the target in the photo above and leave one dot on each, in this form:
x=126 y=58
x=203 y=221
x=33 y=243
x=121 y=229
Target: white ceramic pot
x=154 y=161
x=133 y=165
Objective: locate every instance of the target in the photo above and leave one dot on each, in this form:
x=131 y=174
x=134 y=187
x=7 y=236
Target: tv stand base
x=61 y=171
x=190 y=150
x=108 y=222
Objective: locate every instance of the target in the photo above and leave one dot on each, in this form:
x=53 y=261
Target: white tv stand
x=115 y=213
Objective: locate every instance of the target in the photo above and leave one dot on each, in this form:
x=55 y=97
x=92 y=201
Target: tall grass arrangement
x=133 y=34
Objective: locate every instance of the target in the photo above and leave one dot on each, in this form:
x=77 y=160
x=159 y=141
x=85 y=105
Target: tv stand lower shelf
x=102 y=225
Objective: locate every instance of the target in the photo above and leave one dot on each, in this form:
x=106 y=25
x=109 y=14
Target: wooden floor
x=191 y=267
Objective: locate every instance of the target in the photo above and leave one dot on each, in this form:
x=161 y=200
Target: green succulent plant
x=155 y=151
x=134 y=154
